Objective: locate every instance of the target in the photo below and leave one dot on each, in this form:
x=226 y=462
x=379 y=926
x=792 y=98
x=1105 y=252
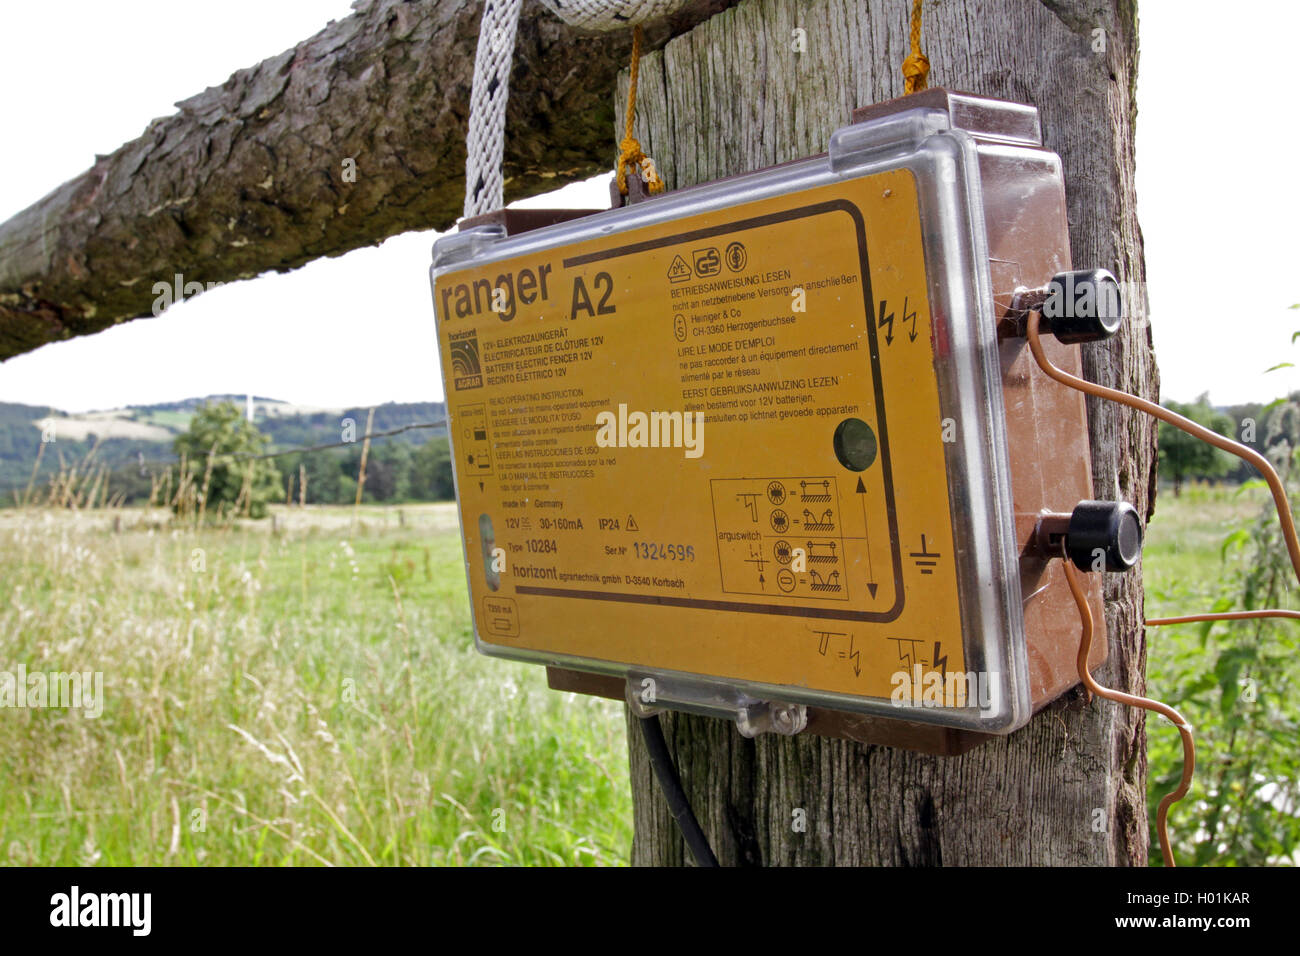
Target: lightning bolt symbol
x=909 y=317
x=887 y=322
x=940 y=662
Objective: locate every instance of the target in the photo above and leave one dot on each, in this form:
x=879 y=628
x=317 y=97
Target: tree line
x=215 y=460
x=1273 y=429
x=413 y=466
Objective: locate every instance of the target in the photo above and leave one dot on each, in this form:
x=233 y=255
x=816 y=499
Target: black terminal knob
x=1083 y=306
x=1104 y=529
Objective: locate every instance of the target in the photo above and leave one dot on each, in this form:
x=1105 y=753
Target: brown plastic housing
x=1047 y=424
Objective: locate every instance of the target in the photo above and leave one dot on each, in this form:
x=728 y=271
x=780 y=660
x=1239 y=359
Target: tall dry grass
x=299 y=697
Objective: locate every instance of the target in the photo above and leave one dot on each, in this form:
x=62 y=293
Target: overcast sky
x=1217 y=197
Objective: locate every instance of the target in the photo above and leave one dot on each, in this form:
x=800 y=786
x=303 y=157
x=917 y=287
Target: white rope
x=485 y=141
x=606 y=15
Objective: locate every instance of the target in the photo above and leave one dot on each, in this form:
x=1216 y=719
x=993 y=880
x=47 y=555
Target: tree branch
x=248 y=177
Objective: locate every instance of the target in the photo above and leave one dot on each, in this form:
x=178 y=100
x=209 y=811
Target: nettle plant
x=1236 y=684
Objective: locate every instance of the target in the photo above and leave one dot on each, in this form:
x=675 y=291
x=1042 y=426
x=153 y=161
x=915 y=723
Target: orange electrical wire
x=1189 y=746
x=1261 y=463
x=1225 y=616
x=1280 y=502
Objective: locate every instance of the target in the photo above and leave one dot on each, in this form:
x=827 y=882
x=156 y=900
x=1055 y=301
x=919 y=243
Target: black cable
x=671 y=785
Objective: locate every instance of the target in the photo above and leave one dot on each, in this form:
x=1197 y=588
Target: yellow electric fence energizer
x=774 y=447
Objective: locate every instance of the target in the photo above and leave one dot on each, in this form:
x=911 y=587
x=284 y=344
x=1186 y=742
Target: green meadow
x=307 y=692
x=304 y=696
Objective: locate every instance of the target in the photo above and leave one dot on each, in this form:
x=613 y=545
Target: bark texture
x=248 y=177
x=731 y=96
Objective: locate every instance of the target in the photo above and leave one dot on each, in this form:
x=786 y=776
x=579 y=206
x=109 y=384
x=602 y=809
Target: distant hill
x=128 y=436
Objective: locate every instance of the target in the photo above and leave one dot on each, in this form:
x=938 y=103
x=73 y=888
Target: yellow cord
x=917 y=66
x=630 y=150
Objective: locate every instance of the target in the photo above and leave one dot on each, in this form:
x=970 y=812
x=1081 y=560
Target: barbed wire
x=245 y=456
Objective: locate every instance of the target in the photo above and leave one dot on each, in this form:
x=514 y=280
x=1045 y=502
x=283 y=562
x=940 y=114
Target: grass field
x=1235 y=683
x=1183 y=567
x=309 y=694
x=302 y=697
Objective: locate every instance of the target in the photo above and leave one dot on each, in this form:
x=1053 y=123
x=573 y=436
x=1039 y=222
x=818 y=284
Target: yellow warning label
x=712 y=445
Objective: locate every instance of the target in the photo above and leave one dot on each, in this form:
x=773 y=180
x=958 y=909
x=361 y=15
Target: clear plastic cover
x=601 y=632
